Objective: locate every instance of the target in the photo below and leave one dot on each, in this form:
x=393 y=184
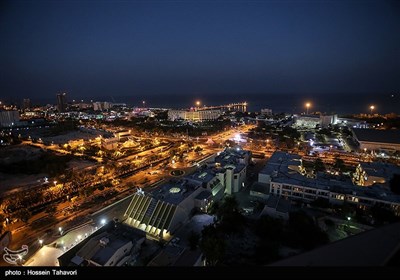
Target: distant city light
x=237 y=137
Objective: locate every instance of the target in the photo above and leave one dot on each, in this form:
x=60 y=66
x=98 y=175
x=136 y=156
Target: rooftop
x=260 y=187
x=102 y=247
x=281 y=168
x=370 y=248
x=375 y=135
x=203 y=195
x=175 y=192
x=279 y=204
x=380 y=169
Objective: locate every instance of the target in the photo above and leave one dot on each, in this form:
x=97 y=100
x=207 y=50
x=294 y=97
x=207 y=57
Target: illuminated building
x=282 y=173
x=377 y=140
x=192 y=115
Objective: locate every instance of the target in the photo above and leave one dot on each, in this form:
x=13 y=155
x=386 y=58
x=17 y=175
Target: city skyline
x=164 y=48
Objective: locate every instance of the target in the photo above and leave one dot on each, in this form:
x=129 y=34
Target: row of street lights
x=308 y=105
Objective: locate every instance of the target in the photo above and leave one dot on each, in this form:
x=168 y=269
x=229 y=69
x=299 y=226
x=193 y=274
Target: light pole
x=372 y=107
x=308 y=106
x=144 y=103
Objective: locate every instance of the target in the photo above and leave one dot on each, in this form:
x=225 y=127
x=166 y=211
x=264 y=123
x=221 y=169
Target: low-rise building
x=370 y=173
x=161 y=212
x=109 y=142
x=194 y=115
x=283 y=172
x=377 y=140
x=108 y=249
x=277 y=207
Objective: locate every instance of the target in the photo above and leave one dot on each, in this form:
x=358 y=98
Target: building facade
x=192 y=115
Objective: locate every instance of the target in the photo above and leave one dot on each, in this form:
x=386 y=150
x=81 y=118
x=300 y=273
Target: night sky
x=156 y=48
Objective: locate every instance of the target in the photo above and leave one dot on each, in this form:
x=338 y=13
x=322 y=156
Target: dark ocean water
x=295 y=103
x=340 y=104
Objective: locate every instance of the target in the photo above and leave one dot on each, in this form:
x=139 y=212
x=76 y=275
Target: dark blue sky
x=156 y=48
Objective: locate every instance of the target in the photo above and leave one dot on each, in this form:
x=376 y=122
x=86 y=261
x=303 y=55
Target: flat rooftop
x=378 y=136
x=281 y=168
x=175 y=192
x=380 y=169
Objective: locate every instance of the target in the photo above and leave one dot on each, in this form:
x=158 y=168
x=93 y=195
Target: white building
x=282 y=171
x=266 y=112
x=101 y=106
x=109 y=143
x=377 y=140
x=191 y=115
x=107 y=249
x=163 y=211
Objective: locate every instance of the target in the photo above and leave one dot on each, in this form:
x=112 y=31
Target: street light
x=55 y=183
x=198 y=103
x=372 y=107
x=41 y=242
x=103 y=222
x=308 y=106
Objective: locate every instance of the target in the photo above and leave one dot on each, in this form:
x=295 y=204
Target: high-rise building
x=26 y=104
x=61 y=102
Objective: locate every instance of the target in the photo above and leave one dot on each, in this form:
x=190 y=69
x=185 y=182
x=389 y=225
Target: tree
x=228 y=214
x=212 y=247
x=193 y=240
x=339 y=164
x=24 y=215
x=51 y=209
x=1 y=222
x=319 y=165
x=395 y=184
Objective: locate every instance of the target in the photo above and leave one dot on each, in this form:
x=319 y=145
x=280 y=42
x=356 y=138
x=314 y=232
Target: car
x=175 y=240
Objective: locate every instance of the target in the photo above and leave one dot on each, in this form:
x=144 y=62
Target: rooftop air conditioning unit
x=104 y=241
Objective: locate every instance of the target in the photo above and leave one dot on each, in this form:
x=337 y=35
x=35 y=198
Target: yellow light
x=372 y=107
x=198 y=103
x=308 y=105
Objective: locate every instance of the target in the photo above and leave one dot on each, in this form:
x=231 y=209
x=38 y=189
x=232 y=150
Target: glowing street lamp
x=372 y=107
x=308 y=105
x=55 y=183
x=103 y=222
x=41 y=242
